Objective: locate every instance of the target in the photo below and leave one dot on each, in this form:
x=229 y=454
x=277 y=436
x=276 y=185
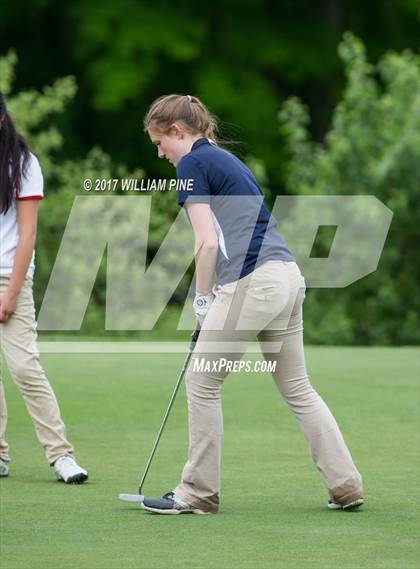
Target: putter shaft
x=168 y=410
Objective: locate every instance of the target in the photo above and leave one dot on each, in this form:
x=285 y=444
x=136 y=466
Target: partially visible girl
x=21 y=188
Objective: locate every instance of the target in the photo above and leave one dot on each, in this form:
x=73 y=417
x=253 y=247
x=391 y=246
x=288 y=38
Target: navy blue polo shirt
x=246 y=230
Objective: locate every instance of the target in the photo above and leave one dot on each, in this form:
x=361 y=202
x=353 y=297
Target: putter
x=138 y=498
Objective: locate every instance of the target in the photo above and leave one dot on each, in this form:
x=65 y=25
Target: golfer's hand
x=201 y=305
x=7 y=306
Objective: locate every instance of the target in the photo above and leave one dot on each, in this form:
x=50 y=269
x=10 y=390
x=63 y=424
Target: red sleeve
x=30 y=198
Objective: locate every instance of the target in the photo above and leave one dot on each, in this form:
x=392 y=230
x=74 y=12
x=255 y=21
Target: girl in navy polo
x=247 y=284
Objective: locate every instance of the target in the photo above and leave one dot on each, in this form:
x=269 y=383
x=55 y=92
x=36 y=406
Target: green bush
x=373 y=148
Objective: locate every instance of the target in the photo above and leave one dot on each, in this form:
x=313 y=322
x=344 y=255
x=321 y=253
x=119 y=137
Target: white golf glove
x=201 y=305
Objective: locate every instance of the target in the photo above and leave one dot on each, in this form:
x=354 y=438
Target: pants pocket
x=263 y=293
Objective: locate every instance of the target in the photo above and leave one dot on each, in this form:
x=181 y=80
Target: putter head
x=134 y=498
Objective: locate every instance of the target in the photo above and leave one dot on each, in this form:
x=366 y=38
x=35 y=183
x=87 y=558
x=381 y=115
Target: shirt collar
x=199 y=143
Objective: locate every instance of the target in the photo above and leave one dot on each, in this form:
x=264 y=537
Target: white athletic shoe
x=67 y=470
x=350 y=506
x=4 y=469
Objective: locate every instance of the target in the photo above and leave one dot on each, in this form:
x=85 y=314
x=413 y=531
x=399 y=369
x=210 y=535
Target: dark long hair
x=14 y=158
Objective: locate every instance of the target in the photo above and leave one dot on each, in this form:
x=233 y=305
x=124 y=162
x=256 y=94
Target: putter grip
x=194 y=337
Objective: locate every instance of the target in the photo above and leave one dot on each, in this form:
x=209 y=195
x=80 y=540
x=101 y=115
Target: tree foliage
x=242 y=58
x=372 y=148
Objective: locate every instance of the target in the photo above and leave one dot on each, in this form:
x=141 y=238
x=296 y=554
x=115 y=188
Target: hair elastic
x=189 y=98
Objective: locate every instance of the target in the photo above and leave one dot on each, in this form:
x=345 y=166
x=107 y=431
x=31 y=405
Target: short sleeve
x=32 y=181
x=190 y=170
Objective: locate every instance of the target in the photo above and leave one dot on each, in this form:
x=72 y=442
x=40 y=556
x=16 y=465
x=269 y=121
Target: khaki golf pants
x=266 y=303
x=18 y=344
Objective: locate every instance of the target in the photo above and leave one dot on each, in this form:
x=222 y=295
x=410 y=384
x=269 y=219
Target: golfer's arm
x=206 y=245
x=27 y=218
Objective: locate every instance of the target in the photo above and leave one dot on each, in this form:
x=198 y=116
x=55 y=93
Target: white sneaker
x=67 y=470
x=4 y=469
x=350 y=506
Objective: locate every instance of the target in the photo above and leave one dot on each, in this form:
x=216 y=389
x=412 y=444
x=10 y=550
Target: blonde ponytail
x=187 y=109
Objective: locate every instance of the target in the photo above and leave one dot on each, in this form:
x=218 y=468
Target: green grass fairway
x=273 y=510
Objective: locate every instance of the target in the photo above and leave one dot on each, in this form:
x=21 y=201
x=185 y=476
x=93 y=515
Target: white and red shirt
x=32 y=189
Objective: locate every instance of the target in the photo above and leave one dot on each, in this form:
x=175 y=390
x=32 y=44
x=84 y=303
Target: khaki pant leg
x=239 y=311
x=4 y=447
x=18 y=342
x=327 y=446
x=200 y=483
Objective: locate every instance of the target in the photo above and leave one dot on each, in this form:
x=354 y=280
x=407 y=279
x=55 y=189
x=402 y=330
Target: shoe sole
x=4 y=470
x=76 y=479
x=352 y=506
x=173 y=512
